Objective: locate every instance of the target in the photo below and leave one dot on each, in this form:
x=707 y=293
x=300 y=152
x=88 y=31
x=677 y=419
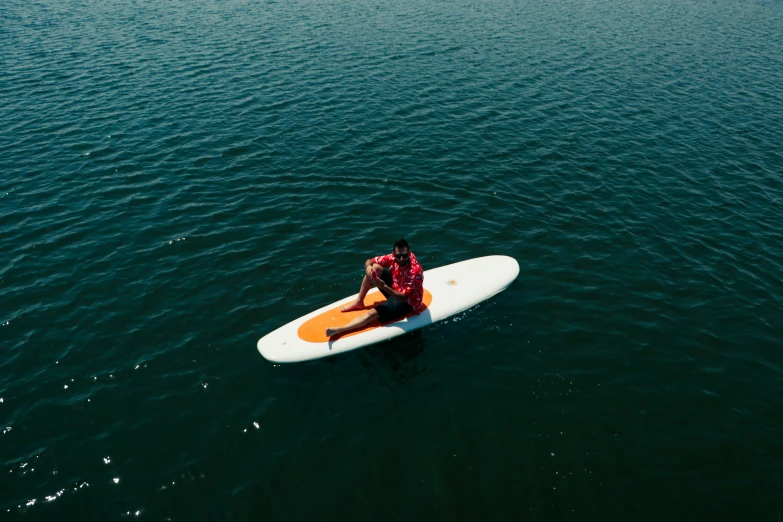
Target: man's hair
x=401 y=243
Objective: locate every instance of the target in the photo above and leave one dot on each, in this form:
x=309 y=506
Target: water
x=179 y=178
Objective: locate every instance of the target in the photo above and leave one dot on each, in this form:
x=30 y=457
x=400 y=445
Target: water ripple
x=179 y=179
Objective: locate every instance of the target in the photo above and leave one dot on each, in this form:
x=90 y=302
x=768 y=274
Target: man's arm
x=368 y=266
x=399 y=296
x=384 y=261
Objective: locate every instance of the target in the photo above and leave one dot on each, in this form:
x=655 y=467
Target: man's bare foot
x=332 y=331
x=356 y=305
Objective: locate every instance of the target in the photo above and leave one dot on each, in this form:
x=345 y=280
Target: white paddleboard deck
x=454 y=288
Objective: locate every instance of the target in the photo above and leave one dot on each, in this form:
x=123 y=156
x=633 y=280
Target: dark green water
x=178 y=178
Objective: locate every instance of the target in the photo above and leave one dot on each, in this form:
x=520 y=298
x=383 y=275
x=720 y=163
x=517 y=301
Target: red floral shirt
x=406 y=279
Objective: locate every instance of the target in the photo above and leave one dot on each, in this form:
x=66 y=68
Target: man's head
x=401 y=252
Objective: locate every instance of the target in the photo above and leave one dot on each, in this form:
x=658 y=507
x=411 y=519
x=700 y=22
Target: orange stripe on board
x=314 y=330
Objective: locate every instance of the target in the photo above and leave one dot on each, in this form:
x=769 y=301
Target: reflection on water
x=396 y=361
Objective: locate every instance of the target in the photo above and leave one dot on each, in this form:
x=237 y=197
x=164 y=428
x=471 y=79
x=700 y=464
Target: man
x=399 y=277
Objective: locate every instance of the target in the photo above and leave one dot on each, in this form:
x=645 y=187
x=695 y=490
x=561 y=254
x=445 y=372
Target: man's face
x=402 y=256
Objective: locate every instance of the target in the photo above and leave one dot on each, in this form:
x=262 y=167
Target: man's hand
x=380 y=283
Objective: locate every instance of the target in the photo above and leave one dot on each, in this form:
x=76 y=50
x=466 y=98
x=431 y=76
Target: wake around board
x=448 y=290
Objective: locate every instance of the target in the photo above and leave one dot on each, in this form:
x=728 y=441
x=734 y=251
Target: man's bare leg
x=366 y=285
x=359 y=322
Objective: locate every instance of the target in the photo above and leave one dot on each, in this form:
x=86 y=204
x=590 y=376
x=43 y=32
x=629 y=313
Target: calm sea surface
x=179 y=178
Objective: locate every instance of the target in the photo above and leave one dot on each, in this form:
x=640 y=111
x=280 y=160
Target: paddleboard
x=448 y=290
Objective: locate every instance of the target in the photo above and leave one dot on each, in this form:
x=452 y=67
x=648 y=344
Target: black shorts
x=391 y=309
